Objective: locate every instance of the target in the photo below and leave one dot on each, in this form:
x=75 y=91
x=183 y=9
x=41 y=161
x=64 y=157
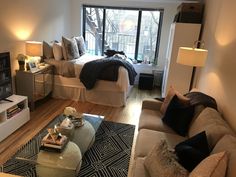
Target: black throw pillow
x=192 y=151
x=178 y=115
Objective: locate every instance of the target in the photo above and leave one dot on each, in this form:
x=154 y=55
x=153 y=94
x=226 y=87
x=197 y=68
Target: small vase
x=21 y=65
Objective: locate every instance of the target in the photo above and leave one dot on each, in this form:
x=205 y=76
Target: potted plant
x=21 y=61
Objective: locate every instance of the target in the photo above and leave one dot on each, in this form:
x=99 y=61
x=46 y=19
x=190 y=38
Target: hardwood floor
x=44 y=113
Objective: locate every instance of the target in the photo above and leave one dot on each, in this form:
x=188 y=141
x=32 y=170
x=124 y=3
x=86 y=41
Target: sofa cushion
x=147 y=139
x=228 y=143
x=139 y=169
x=213 y=166
x=210 y=121
x=150 y=119
x=179 y=115
x=192 y=151
x=160 y=162
x=171 y=93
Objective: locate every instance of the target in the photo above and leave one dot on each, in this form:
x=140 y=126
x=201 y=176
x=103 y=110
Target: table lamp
x=34 y=50
x=194 y=56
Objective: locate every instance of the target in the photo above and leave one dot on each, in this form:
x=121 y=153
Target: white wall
x=170 y=10
x=22 y=20
x=217 y=78
x=39 y=20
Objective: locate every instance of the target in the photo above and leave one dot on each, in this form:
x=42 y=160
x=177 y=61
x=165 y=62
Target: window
x=134 y=31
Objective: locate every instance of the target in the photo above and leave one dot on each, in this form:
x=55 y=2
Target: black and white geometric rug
x=108 y=157
x=110 y=154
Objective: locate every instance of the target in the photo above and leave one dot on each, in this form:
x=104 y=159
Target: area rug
x=108 y=157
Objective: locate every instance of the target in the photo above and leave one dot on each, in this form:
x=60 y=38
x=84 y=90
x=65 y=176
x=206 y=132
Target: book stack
x=50 y=143
x=12 y=111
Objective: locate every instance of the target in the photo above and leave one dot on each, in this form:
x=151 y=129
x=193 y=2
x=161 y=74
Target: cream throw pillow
x=171 y=93
x=228 y=143
x=161 y=162
x=57 y=51
x=47 y=50
x=212 y=166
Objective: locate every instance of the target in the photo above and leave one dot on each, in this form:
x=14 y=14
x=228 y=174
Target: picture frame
x=33 y=67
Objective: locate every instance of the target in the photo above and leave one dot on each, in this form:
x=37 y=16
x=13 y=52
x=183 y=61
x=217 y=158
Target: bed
x=67 y=84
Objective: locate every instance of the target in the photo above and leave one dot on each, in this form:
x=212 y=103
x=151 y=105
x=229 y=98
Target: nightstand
x=36 y=85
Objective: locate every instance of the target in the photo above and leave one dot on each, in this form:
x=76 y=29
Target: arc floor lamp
x=194 y=57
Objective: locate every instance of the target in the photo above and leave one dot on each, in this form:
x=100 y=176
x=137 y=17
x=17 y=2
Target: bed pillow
x=57 y=51
x=168 y=98
x=47 y=50
x=213 y=166
x=160 y=162
x=81 y=44
x=192 y=151
x=70 y=48
x=178 y=115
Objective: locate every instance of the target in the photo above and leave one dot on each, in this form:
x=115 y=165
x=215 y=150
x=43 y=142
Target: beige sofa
x=152 y=129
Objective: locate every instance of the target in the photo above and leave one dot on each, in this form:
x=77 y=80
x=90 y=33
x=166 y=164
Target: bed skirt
x=104 y=93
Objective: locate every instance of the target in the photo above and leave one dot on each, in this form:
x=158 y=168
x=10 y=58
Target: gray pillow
x=70 y=48
x=161 y=162
x=47 y=50
x=81 y=44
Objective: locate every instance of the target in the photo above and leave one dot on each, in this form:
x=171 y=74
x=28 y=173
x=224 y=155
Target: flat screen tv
x=5 y=76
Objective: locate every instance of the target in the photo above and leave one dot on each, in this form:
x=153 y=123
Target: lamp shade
x=192 y=56
x=33 y=48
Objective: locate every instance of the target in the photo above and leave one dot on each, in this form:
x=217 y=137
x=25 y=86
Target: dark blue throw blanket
x=197 y=98
x=105 y=69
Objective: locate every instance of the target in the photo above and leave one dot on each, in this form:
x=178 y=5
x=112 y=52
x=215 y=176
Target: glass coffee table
x=67 y=162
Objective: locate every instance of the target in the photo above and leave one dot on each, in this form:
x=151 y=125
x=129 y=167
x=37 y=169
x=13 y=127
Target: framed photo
x=33 y=67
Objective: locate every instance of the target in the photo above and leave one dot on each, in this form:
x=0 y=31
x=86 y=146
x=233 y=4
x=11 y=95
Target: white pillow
x=57 y=51
x=212 y=166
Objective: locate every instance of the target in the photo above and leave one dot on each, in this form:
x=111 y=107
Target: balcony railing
x=121 y=42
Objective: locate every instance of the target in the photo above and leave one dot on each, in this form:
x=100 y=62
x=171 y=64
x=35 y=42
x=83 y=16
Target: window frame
x=161 y=10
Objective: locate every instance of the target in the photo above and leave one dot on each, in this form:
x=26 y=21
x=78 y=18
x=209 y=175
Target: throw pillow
x=227 y=143
x=178 y=115
x=192 y=151
x=213 y=166
x=81 y=44
x=70 y=48
x=57 y=51
x=47 y=50
x=168 y=98
x=162 y=163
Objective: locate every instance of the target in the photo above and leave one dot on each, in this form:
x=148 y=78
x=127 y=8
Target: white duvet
x=73 y=68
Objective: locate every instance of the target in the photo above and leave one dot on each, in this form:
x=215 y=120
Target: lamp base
x=192 y=78
x=21 y=65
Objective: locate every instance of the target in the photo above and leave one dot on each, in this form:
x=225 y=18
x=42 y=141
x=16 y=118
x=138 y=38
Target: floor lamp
x=194 y=56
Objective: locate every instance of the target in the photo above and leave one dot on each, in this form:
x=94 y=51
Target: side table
x=35 y=85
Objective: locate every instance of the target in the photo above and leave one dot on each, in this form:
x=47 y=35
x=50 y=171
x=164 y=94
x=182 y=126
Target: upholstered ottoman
x=64 y=164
